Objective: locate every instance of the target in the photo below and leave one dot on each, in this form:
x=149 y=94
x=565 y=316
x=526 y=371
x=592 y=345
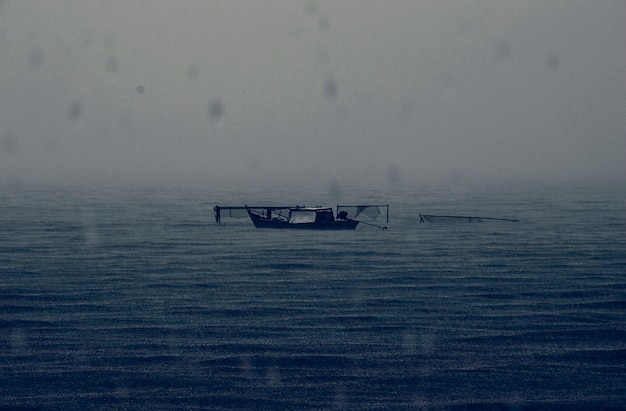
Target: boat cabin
x=310 y=215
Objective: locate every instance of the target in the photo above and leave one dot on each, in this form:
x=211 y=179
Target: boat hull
x=260 y=222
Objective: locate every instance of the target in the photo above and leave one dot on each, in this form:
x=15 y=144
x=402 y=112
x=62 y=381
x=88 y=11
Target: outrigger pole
x=470 y=219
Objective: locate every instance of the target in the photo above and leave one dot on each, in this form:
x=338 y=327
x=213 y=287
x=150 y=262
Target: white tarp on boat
x=302 y=216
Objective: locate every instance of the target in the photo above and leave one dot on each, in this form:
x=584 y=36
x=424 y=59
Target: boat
x=303 y=217
x=307 y=218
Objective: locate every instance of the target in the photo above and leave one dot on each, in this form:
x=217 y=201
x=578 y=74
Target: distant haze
x=392 y=92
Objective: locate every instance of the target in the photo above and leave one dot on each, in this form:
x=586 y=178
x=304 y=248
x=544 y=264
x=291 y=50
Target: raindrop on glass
x=74 y=110
x=216 y=110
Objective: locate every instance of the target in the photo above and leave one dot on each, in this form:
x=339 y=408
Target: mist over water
x=390 y=93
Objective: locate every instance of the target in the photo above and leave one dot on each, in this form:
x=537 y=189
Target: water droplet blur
x=340 y=398
x=193 y=72
x=18 y=341
x=335 y=190
x=273 y=377
x=35 y=58
x=88 y=38
x=311 y=7
x=111 y=64
x=323 y=55
x=554 y=61
x=141 y=89
x=393 y=174
x=74 y=110
x=324 y=23
x=503 y=49
x=216 y=110
x=331 y=88
x=9 y=144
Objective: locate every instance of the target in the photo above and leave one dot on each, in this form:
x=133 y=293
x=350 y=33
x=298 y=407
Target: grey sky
x=246 y=91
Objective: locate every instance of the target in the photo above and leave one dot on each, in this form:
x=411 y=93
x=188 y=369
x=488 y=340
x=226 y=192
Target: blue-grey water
x=118 y=298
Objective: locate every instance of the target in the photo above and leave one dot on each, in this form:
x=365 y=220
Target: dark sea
x=120 y=298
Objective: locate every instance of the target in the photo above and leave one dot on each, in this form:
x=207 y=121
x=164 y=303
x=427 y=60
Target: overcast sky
x=390 y=91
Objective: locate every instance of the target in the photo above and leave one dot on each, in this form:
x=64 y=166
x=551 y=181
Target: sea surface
x=133 y=298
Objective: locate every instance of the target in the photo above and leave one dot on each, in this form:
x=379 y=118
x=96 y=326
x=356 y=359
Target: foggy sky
x=392 y=92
